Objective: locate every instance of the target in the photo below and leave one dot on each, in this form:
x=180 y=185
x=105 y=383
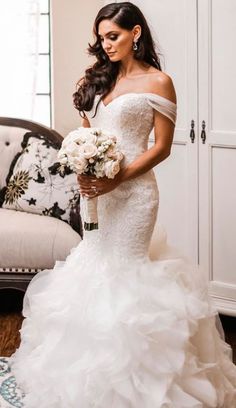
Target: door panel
x=217 y=156
x=177 y=177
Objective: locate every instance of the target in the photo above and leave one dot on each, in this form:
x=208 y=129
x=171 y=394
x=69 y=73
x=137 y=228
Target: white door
x=174 y=24
x=217 y=156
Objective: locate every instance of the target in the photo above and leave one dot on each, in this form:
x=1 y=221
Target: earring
x=135 y=46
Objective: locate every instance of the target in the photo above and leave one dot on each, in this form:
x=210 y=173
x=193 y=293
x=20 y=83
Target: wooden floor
x=11 y=320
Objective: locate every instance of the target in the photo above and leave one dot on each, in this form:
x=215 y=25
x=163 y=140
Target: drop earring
x=135 y=46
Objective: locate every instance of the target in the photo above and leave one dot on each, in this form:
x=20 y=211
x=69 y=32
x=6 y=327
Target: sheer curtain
x=19 y=38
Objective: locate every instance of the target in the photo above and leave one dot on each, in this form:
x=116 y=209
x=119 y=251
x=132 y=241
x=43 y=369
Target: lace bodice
x=130 y=118
x=127 y=215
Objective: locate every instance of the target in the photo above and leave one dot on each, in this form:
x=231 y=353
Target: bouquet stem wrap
x=90 y=213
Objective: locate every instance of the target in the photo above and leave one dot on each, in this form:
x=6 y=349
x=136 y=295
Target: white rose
x=89 y=150
x=91 y=138
x=114 y=155
x=82 y=135
x=111 y=155
x=79 y=164
x=119 y=155
x=111 y=168
x=76 y=136
x=73 y=150
x=102 y=139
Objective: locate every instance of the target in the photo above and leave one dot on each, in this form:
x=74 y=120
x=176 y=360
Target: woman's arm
x=163 y=131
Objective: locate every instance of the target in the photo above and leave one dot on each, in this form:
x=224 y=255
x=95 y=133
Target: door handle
x=192 y=132
x=203 y=133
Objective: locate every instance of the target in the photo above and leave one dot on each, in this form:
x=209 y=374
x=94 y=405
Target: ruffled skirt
x=107 y=332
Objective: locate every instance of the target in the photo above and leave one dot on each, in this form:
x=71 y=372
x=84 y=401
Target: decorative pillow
x=37 y=183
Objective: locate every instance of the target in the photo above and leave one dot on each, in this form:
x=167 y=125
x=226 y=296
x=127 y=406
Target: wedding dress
x=109 y=328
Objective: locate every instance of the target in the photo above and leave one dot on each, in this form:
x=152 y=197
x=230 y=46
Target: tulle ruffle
x=108 y=332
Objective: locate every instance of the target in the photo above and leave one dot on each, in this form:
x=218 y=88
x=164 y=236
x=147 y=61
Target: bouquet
x=91 y=151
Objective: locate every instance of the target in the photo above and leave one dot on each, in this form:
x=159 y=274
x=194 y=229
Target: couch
x=28 y=242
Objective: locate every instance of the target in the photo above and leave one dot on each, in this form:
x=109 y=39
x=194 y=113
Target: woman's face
x=116 y=41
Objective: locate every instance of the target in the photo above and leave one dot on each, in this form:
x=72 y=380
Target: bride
x=109 y=328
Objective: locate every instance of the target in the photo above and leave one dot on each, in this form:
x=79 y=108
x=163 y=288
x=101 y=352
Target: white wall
x=71 y=30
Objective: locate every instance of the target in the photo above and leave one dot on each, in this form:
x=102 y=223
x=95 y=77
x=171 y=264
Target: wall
x=71 y=30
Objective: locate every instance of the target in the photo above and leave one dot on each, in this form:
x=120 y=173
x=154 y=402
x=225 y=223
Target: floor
x=11 y=320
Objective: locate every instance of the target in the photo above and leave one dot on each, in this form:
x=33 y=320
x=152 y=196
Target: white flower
x=63 y=160
x=103 y=148
x=81 y=135
x=89 y=150
x=99 y=169
x=103 y=138
x=119 y=156
x=93 y=149
x=75 y=136
x=91 y=138
x=111 y=168
x=73 y=150
x=61 y=154
x=108 y=134
x=114 y=154
x=79 y=164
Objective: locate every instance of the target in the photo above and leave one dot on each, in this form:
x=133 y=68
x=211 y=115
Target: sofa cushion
x=37 y=183
x=34 y=241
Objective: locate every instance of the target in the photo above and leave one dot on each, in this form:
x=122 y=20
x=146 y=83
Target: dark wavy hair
x=101 y=77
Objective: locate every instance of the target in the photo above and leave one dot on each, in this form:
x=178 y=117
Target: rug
x=10 y=393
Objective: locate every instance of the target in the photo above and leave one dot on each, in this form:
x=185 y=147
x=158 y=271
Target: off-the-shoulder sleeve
x=163 y=105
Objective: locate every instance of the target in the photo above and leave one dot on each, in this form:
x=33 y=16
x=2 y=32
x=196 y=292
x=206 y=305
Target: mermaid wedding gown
x=108 y=328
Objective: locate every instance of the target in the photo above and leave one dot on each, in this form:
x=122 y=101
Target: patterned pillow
x=37 y=183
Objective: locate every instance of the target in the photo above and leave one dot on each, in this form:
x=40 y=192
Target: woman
x=109 y=328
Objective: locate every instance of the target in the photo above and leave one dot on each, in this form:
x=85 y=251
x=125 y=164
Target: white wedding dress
x=109 y=328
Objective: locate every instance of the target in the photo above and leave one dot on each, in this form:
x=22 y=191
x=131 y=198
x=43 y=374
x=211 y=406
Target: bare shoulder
x=162 y=84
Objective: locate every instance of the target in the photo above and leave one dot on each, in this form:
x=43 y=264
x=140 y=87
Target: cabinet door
x=217 y=156
x=174 y=24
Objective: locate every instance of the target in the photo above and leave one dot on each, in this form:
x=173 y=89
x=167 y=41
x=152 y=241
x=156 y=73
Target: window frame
x=48 y=54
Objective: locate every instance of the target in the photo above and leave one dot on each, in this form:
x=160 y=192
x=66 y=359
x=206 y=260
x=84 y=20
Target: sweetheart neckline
x=137 y=93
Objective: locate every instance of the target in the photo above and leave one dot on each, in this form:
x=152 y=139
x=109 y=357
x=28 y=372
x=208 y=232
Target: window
x=42 y=111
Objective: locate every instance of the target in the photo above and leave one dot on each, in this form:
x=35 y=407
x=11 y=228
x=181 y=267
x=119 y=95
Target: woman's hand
x=91 y=187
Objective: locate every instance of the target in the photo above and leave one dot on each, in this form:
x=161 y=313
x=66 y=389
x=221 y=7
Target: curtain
x=19 y=40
